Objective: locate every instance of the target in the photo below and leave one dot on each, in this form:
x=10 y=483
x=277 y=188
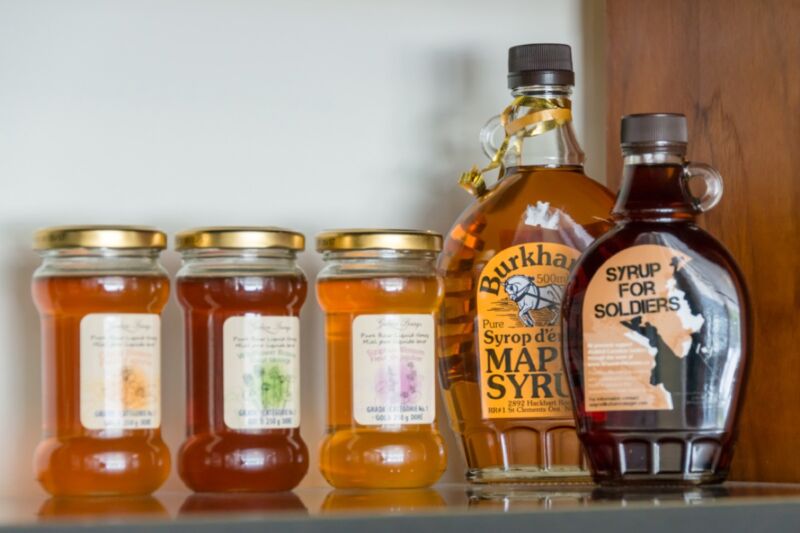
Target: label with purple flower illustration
x=394 y=369
x=261 y=372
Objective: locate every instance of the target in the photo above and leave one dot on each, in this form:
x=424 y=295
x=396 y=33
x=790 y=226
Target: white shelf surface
x=746 y=507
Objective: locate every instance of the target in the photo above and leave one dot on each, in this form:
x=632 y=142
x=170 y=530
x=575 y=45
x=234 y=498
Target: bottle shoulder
x=685 y=238
x=569 y=190
x=535 y=205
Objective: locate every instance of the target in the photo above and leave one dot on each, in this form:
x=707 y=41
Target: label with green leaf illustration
x=261 y=373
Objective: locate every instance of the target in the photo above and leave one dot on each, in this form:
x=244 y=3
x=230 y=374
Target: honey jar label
x=261 y=372
x=638 y=327
x=519 y=332
x=394 y=370
x=120 y=371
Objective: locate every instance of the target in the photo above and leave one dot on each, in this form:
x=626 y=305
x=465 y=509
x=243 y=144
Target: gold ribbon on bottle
x=544 y=114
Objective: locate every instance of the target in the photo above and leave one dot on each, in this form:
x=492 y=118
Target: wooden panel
x=733 y=67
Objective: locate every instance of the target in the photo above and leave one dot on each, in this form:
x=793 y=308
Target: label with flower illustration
x=394 y=359
x=261 y=373
x=120 y=371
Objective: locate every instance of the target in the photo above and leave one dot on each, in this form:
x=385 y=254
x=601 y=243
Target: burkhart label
x=638 y=329
x=394 y=369
x=519 y=332
x=261 y=373
x=120 y=371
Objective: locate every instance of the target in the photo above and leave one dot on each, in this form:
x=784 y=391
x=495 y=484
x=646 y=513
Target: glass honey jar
x=241 y=291
x=100 y=291
x=380 y=293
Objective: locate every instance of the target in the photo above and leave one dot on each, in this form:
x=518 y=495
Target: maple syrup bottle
x=656 y=321
x=505 y=263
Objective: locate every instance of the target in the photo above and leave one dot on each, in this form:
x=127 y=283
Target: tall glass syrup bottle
x=505 y=263
x=656 y=321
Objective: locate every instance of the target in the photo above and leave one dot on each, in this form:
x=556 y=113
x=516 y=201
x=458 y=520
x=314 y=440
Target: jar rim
x=99 y=236
x=239 y=238
x=379 y=239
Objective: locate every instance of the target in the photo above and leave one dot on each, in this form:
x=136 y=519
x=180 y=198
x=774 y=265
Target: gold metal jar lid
x=379 y=239
x=239 y=238
x=120 y=237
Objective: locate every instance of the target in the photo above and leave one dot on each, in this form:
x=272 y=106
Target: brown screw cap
x=653 y=128
x=540 y=64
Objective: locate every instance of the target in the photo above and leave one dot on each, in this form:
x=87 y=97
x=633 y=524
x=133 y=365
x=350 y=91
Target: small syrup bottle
x=655 y=323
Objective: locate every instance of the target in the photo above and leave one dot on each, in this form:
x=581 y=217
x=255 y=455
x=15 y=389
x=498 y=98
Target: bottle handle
x=713 y=185
x=489 y=136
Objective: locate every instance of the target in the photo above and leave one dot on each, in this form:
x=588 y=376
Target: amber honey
x=99 y=309
x=73 y=459
x=379 y=327
x=216 y=458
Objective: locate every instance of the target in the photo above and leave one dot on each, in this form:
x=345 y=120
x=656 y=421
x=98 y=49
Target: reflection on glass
x=100 y=507
x=660 y=495
x=383 y=501
x=242 y=503
x=521 y=498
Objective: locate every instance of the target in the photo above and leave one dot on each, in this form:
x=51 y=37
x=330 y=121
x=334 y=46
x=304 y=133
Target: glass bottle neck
x=378 y=262
x=653 y=188
x=557 y=145
x=213 y=262
x=99 y=261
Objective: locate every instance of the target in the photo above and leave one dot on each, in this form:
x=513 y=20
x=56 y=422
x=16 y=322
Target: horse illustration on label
x=529 y=297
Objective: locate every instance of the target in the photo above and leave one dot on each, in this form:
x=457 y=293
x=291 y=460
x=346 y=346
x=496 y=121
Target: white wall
x=303 y=114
